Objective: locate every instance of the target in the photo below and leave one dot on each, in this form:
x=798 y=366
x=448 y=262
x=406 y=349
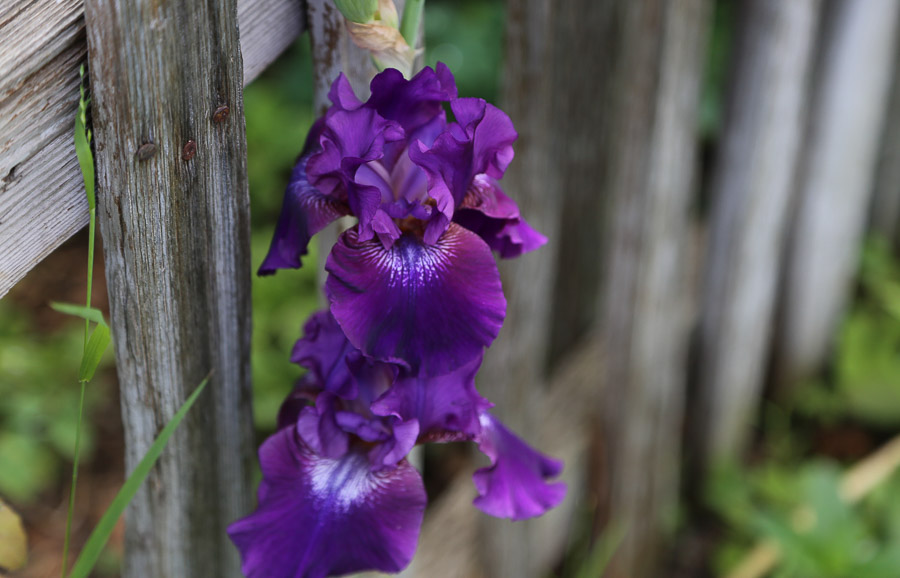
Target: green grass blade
x=602 y=552
x=93 y=352
x=83 y=147
x=100 y=536
x=88 y=313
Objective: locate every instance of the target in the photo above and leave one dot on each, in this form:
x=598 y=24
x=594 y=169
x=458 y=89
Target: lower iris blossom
x=338 y=494
x=414 y=299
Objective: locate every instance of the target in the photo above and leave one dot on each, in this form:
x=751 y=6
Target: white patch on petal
x=342 y=482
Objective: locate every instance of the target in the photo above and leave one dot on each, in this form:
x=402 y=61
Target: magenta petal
x=304 y=212
x=447 y=403
x=431 y=307
x=321 y=517
x=516 y=484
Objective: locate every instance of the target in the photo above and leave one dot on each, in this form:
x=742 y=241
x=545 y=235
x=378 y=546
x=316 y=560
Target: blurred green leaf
x=87 y=313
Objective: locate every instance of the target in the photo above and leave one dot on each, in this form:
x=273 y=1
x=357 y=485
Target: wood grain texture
x=835 y=182
x=659 y=50
x=43 y=43
x=751 y=201
x=177 y=253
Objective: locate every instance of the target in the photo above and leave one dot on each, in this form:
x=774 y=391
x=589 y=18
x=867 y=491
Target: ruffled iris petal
x=413 y=103
x=323 y=351
x=441 y=405
x=320 y=517
x=516 y=484
x=491 y=133
x=350 y=139
x=489 y=213
x=431 y=307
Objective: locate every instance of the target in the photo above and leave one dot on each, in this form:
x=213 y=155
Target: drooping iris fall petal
x=432 y=308
x=516 y=485
x=320 y=517
x=304 y=212
x=489 y=213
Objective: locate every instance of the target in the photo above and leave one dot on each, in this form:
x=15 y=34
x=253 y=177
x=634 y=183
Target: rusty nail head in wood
x=221 y=113
x=189 y=150
x=145 y=151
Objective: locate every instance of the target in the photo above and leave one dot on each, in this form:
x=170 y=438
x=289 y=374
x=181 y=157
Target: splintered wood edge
x=42 y=200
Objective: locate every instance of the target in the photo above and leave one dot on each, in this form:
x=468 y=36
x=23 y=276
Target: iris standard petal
x=516 y=484
x=447 y=404
x=415 y=102
x=491 y=133
x=432 y=308
x=322 y=517
x=350 y=139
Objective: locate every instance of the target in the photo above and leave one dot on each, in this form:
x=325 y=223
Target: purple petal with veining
x=431 y=307
x=304 y=212
x=322 y=517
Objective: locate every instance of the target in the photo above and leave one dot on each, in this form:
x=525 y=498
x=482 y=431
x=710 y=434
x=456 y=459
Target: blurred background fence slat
x=653 y=108
x=835 y=178
x=176 y=232
x=751 y=197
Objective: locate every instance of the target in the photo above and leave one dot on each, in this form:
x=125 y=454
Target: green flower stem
x=411 y=22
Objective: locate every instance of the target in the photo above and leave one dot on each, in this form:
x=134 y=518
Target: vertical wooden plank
x=884 y=213
x=834 y=185
x=175 y=225
x=659 y=50
x=751 y=192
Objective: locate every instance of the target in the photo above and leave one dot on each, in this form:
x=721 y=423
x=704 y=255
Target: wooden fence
x=594 y=362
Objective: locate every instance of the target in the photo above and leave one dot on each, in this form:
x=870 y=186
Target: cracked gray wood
x=176 y=236
x=41 y=193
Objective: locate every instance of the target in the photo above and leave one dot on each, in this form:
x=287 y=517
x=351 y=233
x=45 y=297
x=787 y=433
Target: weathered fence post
x=659 y=53
x=168 y=116
x=835 y=180
x=751 y=193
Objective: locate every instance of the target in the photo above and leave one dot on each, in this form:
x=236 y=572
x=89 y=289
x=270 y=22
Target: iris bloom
x=415 y=297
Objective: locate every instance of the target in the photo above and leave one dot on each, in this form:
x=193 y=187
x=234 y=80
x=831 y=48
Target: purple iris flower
x=415 y=298
x=413 y=282
x=338 y=495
